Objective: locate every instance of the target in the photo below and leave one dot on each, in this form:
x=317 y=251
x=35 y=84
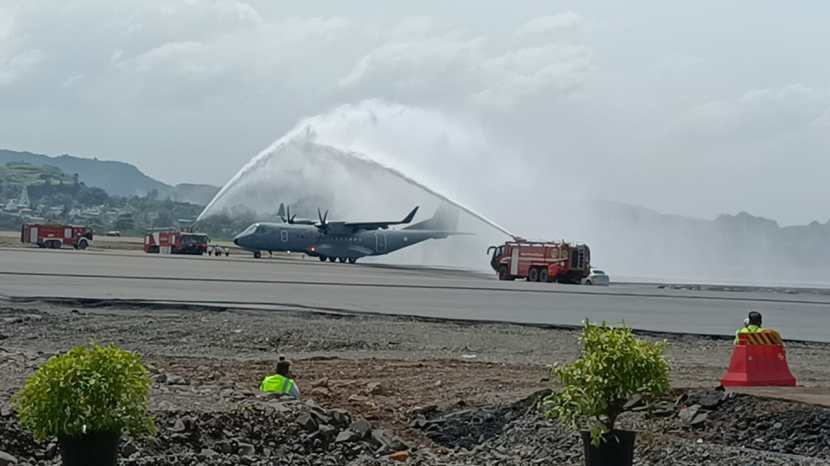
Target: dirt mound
x=257 y=434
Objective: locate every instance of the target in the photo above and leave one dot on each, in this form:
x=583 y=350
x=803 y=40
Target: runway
x=415 y=291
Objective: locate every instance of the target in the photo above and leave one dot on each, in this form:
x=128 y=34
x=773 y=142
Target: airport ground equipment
x=539 y=261
x=175 y=242
x=758 y=360
x=55 y=235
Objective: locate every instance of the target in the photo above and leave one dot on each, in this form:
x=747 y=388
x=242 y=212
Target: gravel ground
x=402 y=377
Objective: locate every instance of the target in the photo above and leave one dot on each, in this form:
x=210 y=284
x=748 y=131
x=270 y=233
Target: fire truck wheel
x=257 y=255
x=543 y=275
x=533 y=275
x=503 y=273
x=588 y=282
x=82 y=244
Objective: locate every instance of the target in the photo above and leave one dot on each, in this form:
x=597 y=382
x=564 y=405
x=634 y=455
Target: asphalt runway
x=417 y=291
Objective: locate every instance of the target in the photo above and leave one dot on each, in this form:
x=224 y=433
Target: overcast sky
x=695 y=108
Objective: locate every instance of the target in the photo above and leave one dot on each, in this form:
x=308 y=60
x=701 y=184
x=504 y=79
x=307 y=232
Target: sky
x=694 y=109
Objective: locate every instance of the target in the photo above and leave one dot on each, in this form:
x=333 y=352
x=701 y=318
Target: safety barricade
x=758 y=360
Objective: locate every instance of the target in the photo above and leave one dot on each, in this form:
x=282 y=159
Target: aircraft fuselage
x=337 y=242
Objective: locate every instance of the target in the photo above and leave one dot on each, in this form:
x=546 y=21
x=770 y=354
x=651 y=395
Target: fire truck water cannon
x=541 y=261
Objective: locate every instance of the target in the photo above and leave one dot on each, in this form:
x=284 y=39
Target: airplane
x=345 y=241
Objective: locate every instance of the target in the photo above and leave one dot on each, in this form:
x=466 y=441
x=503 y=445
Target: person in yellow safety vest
x=281 y=382
x=752 y=324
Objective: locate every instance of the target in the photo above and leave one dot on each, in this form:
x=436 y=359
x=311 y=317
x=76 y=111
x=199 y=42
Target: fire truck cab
x=541 y=261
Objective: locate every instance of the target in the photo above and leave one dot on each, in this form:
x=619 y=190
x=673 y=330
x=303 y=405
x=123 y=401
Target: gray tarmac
x=294 y=283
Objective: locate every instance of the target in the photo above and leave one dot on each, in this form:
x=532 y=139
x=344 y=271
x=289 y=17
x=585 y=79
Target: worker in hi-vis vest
x=281 y=382
x=752 y=324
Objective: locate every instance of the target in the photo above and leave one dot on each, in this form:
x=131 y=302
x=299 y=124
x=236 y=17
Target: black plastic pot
x=92 y=449
x=615 y=449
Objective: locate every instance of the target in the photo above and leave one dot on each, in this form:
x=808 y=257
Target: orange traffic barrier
x=758 y=360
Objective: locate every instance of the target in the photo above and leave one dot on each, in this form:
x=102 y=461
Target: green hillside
x=18 y=173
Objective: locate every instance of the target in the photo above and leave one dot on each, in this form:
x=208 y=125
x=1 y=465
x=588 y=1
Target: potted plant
x=87 y=398
x=613 y=368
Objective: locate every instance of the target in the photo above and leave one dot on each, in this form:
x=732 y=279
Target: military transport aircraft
x=344 y=241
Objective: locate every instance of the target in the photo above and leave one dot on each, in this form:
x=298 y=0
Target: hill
x=116 y=178
x=742 y=248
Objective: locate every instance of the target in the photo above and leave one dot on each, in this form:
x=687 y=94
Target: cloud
x=760 y=113
x=454 y=65
x=545 y=26
x=18 y=66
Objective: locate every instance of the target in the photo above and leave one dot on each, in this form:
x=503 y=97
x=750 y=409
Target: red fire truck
x=541 y=261
x=175 y=242
x=56 y=236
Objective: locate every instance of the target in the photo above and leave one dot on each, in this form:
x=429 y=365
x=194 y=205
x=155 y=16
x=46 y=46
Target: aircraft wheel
x=342 y=260
x=543 y=275
x=352 y=260
x=332 y=259
x=322 y=258
x=257 y=255
x=533 y=275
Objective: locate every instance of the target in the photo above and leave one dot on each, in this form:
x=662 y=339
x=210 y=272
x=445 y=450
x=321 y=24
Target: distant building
x=23 y=202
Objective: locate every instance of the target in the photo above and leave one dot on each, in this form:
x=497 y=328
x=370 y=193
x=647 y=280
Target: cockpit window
x=260 y=229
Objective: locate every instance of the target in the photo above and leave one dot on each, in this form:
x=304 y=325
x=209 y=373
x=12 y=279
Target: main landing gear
x=342 y=260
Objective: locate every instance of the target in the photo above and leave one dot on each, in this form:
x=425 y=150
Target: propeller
x=281 y=212
x=323 y=225
x=290 y=217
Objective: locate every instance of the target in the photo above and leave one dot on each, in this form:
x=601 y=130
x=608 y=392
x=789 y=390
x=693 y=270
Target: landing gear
x=322 y=258
x=352 y=260
x=257 y=255
x=342 y=260
x=332 y=259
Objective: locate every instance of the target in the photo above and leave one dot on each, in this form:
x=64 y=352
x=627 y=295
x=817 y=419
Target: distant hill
x=199 y=194
x=116 y=178
x=742 y=248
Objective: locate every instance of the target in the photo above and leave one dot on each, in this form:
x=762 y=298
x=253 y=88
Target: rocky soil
x=382 y=390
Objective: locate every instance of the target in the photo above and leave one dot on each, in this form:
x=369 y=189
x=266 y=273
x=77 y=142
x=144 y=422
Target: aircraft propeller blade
x=324 y=227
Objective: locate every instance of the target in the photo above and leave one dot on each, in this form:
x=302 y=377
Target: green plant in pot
x=87 y=398
x=613 y=368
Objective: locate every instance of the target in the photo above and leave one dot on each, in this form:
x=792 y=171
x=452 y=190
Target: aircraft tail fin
x=445 y=219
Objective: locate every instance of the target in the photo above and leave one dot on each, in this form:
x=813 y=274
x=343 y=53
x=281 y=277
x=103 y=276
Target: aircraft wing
x=355 y=226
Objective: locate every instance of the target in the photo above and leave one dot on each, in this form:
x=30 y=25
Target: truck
x=56 y=235
x=541 y=261
x=175 y=242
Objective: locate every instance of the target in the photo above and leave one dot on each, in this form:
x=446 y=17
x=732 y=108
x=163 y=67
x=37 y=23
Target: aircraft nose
x=239 y=238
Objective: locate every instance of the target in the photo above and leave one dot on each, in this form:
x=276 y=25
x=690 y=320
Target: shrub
x=614 y=366
x=89 y=389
